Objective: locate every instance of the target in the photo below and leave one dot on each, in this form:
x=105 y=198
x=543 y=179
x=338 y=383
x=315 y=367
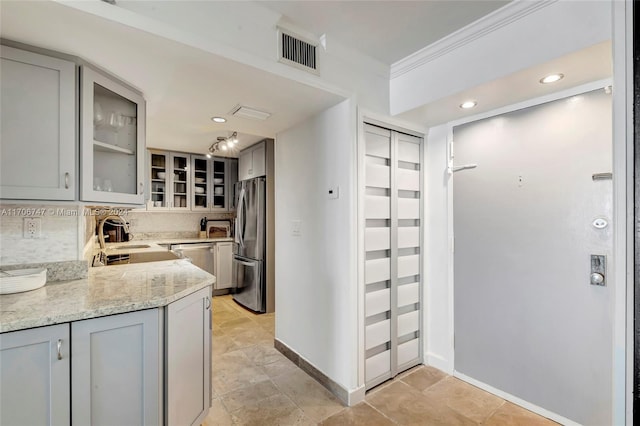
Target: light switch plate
x=296 y=228
x=334 y=192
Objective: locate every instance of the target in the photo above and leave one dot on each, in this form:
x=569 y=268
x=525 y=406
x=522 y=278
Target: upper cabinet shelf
x=105 y=147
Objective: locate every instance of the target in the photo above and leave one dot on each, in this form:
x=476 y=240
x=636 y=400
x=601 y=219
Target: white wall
x=438 y=294
x=536 y=34
x=316 y=287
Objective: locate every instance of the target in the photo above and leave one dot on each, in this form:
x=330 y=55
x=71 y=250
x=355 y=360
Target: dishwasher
x=200 y=254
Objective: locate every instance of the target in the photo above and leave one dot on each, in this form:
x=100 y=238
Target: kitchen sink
x=130 y=247
x=128 y=258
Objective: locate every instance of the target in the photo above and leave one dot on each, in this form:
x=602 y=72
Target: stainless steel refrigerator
x=250 y=238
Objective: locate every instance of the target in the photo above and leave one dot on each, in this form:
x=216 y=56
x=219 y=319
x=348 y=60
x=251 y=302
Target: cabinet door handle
x=66 y=180
x=141 y=188
x=59 y=346
x=208 y=303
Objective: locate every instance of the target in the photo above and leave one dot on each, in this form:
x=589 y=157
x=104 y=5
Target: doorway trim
x=618 y=281
x=623 y=154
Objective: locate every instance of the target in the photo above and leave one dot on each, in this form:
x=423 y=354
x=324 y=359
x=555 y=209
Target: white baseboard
x=348 y=397
x=521 y=402
x=356 y=396
x=439 y=362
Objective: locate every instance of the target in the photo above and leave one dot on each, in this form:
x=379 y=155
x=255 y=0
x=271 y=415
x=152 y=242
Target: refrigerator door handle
x=243 y=231
x=240 y=219
x=252 y=265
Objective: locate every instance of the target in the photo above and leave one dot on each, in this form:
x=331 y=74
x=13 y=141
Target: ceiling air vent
x=248 y=112
x=294 y=50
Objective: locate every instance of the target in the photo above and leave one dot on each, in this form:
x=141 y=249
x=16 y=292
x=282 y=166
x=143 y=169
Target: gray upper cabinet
x=252 y=162
x=202 y=181
x=232 y=166
x=34 y=377
x=211 y=179
x=116 y=368
x=219 y=197
x=188 y=359
x=37 y=126
x=112 y=140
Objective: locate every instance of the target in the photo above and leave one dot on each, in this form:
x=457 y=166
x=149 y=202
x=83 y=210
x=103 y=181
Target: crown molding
x=487 y=24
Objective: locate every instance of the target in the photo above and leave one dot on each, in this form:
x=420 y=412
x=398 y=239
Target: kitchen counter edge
x=106 y=291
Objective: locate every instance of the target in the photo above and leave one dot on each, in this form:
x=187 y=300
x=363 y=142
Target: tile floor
x=253 y=384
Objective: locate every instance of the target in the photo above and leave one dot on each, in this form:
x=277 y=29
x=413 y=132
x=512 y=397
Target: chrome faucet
x=101 y=228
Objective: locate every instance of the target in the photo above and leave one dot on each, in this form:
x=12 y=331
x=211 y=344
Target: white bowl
x=162 y=175
x=218 y=180
x=199 y=180
x=20 y=280
x=198 y=190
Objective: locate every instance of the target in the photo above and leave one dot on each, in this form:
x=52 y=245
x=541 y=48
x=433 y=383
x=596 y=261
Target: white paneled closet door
x=392 y=253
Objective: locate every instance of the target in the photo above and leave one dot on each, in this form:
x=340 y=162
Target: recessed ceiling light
x=552 y=78
x=468 y=104
x=219 y=119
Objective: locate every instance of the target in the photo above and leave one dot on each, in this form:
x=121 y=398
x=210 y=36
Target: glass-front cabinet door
x=201 y=184
x=159 y=177
x=113 y=140
x=180 y=181
x=219 y=179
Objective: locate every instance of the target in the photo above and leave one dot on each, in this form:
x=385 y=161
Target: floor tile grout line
x=381 y=413
x=504 y=401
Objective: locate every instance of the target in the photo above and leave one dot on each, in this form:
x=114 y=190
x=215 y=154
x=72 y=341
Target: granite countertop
x=152 y=245
x=106 y=291
x=184 y=240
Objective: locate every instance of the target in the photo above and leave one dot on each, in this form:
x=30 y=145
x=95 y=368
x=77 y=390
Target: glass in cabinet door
x=180 y=181
x=112 y=140
x=219 y=184
x=200 y=167
x=159 y=174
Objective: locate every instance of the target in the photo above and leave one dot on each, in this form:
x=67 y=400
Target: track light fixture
x=223 y=144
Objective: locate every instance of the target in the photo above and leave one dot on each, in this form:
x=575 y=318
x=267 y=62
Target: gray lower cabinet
x=147 y=367
x=116 y=369
x=188 y=359
x=223 y=259
x=34 y=376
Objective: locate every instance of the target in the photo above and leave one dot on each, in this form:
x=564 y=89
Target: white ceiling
x=185 y=86
x=581 y=67
x=384 y=30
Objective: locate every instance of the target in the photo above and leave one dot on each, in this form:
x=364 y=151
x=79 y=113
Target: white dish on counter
x=20 y=280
